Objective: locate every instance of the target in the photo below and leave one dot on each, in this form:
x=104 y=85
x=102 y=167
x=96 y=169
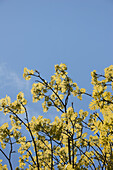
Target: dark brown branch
x=98 y=117
x=51 y=154
x=35 y=147
x=7 y=159
x=47 y=85
x=87 y=157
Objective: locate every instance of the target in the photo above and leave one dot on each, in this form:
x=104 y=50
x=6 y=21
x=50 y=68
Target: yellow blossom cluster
x=55 y=91
x=27 y=73
x=75 y=139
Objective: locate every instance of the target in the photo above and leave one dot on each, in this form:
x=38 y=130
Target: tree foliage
x=75 y=140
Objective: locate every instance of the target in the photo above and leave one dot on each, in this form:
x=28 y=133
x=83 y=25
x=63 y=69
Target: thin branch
x=51 y=154
x=98 y=117
x=35 y=147
x=47 y=85
x=11 y=144
x=7 y=159
x=88 y=94
x=87 y=157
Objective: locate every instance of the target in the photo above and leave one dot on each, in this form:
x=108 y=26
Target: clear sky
x=41 y=33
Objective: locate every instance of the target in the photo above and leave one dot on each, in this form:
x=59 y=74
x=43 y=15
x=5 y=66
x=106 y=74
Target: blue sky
x=41 y=33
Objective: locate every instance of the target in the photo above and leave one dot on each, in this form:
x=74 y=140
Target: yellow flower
x=82 y=90
x=27 y=73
